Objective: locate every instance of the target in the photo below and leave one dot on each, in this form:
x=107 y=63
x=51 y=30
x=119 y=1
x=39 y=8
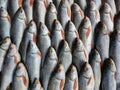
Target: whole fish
x=64 y=55
x=28 y=7
x=4 y=45
x=112 y=5
x=29 y=34
x=13 y=6
x=56 y=3
x=70 y=33
x=50 y=63
x=20 y=78
x=77 y=15
x=4 y=3
x=57 y=34
x=79 y=54
x=43 y=40
x=85 y=33
x=71 y=82
x=18 y=26
x=108 y=81
x=95 y=62
x=86 y=78
x=39 y=11
x=102 y=40
x=114 y=53
x=36 y=85
x=64 y=13
x=106 y=16
x=11 y=60
x=98 y=3
x=57 y=81
x=5 y=23
x=51 y=15
x=33 y=61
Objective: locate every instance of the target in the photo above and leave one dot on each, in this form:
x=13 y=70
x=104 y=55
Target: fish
x=5 y=23
x=98 y=3
x=71 y=2
x=28 y=8
x=71 y=82
x=57 y=34
x=79 y=54
x=18 y=26
x=4 y=46
x=48 y=2
x=49 y=66
x=70 y=33
x=64 y=55
x=39 y=11
x=43 y=40
x=56 y=3
x=30 y=33
x=4 y=4
x=64 y=13
x=108 y=81
x=85 y=33
x=114 y=53
x=36 y=85
x=77 y=15
x=51 y=15
x=106 y=16
x=33 y=61
x=11 y=60
x=57 y=81
x=20 y=78
x=86 y=78
x=95 y=62
x=13 y=6
x=102 y=41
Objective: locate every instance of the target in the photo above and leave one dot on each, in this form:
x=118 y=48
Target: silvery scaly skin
x=86 y=78
x=117 y=21
x=112 y=5
x=4 y=45
x=82 y=4
x=51 y=15
x=28 y=7
x=39 y=11
x=117 y=2
x=48 y=2
x=29 y=34
x=43 y=40
x=33 y=61
x=77 y=15
x=102 y=41
x=95 y=62
x=85 y=33
x=56 y=3
x=5 y=23
x=64 y=13
x=64 y=55
x=36 y=85
x=13 y=6
x=57 y=34
x=4 y=3
x=106 y=16
x=71 y=2
x=108 y=81
x=11 y=60
x=18 y=26
x=70 y=33
x=20 y=78
x=57 y=81
x=98 y=3
x=71 y=82
x=79 y=54
x=50 y=63
x=114 y=54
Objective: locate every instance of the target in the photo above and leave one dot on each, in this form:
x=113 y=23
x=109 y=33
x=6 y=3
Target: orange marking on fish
x=115 y=75
x=111 y=17
x=76 y=33
x=20 y=2
x=68 y=12
x=88 y=32
x=81 y=13
x=31 y=2
x=61 y=84
x=15 y=59
x=39 y=54
x=96 y=14
x=8 y=18
x=34 y=38
x=89 y=80
x=45 y=3
x=75 y=85
x=100 y=63
x=63 y=34
x=25 y=81
x=85 y=53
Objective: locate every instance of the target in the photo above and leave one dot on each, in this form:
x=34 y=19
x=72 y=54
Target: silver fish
x=11 y=60
x=18 y=26
x=71 y=82
x=57 y=81
x=108 y=81
x=77 y=15
x=43 y=40
x=20 y=78
x=50 y=63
